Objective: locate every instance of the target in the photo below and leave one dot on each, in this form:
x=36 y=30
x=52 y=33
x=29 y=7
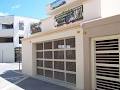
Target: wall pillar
x=27 y=58
x=79 y=61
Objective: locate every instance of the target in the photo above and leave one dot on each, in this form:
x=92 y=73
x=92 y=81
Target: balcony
x=61 y=5
x=57 y=4
x=69 y=16
x=35 y=27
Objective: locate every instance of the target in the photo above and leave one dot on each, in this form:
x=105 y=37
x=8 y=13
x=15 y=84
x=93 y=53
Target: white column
x=79 y=61
x=27 y=63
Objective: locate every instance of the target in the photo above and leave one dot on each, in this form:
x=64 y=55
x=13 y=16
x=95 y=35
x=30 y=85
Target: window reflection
x=48 y=45
x=58 y=54
x=48 y=54
x=70 y=43
x=70 y=54
x=59 y=44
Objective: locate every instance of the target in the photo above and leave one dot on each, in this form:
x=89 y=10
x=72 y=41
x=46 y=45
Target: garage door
x=56 y=59
x=106 y=63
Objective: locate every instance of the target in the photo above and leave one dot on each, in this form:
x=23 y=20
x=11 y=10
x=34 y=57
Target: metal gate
x=18 y=54
x=106 y=63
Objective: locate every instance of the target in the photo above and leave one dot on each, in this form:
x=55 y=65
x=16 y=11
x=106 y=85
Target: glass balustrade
x=57 y=4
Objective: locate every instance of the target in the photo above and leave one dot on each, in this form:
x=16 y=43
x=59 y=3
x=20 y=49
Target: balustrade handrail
x=69 y=16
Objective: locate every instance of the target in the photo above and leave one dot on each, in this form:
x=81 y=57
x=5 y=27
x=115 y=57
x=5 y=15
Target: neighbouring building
x=12 y=29
x=79 y=45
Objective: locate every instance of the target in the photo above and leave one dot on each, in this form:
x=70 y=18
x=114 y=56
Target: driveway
x=12 y=79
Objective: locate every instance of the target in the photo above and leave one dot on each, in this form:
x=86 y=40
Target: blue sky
x=27 y=8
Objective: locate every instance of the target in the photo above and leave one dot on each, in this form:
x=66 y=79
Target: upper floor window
x=21 y=26
x=7 y=26
x=20 y=40
x=6 y=39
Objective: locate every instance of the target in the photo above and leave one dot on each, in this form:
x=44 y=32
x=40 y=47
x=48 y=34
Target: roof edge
x=100 y=21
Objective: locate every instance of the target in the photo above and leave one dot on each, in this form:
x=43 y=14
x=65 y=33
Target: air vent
x=106 y=71
x=107 y=85
x=107 y=58
x=107 y=64
x=107 y=45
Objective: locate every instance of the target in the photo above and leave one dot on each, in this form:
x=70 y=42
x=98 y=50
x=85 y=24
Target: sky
x=27 y=8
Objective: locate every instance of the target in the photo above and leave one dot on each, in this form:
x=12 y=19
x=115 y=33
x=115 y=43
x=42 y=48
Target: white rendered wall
x=6 y=32
x=22 y=33
x=7 y=52
x=110 y=7
x=94 y=9
x=48 y=24
x=27 y=62
x=91 y=9
x=28 y=53
x=6 y=20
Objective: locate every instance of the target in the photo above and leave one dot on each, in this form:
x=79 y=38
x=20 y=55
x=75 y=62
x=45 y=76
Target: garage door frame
x=93 y=56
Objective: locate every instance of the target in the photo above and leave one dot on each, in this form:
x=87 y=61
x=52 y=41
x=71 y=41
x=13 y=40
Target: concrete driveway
x=12 y=79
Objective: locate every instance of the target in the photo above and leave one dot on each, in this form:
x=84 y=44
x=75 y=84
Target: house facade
x=74 y=48
x=12 y=29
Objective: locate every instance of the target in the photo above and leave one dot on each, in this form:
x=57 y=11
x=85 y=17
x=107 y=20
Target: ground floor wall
x=7 y=52
x=18 y=54
x=87 y=42
x=99 y=39
x=75 y=74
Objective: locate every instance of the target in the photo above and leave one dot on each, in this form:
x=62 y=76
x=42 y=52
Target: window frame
x=21 y=25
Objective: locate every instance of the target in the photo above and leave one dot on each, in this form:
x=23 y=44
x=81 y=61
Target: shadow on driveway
x=29 y=83
x=12 y=76
x=34 y=84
